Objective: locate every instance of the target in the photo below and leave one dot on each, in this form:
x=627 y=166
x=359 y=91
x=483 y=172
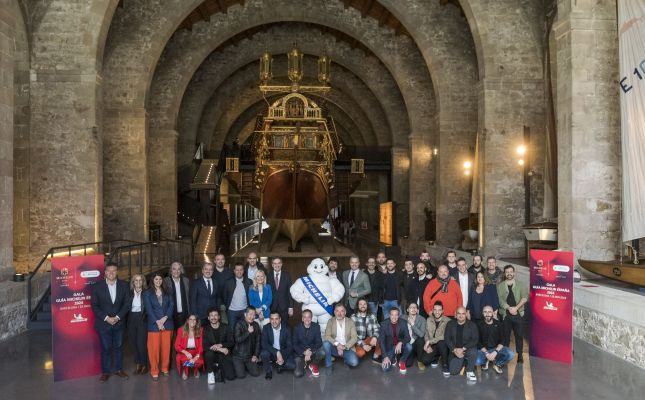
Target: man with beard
x=333 y=267
x=493 y=274
x=381 y=260
x=410 y=282
x=392 y=282
x=491 y=347
x=513 y=296
x=246 y=352
x=445 y=289
x=422 y=283
x=367 y=331
x=451 y=263
x=376 y=284
x=477 y=265
x=218 y=342
x=431 y=270
x=435 y=345
x=461 y=337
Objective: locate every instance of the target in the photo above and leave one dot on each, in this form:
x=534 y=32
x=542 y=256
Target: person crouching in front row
x=395 y=342
x=307 y=346
x=246 y=352
x=340 y=338
x=188 y=345
x=276 y=346
x=218 y=343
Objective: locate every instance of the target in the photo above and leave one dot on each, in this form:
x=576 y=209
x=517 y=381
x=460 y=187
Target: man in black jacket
x=491 y=348
x=461 y=337
x=276 y=346
x=253 y=265
x=280 y=282
x=177 y=287
x=376 y=283
x=307 y=346
x=246 y=352
x=236 y=294
x=218 y=342
x=110 y=304
x=422 y=282
x=204 y=293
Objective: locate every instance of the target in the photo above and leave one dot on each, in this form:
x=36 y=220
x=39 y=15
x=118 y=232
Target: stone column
x=422 y=183
x=162 y=172
x=400 y=189
x=506 y=106
x=588 y=129
x=6 y=143
x=125 y=176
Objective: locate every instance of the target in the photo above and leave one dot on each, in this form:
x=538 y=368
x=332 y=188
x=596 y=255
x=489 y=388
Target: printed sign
x=75 y=344
x=551 y=301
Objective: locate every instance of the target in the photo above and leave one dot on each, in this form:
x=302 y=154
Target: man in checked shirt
x=367 y=329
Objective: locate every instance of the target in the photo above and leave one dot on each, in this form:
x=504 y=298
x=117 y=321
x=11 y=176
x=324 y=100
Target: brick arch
x=388 y=108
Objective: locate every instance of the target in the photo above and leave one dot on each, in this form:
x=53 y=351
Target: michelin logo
x=78 y=318
x=550 y=306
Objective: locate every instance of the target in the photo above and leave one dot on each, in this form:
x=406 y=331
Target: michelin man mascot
x=317 y=292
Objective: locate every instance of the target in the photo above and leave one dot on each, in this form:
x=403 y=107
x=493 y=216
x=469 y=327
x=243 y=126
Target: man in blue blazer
x=204 y=294
x=110 y=304
x=394 y=339
x=276 y=346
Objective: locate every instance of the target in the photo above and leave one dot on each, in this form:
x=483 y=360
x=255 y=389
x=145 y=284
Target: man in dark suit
x=394 y=338
x=357 y=284
x=204 y=294
x=178 y=287
x=280 y=282
x=236 y=294
x=110 y=304
x=276 y=346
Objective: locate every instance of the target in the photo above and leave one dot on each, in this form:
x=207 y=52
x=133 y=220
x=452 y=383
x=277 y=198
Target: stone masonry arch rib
x=223 y=62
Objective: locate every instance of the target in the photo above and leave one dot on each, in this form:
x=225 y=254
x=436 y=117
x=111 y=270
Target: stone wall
x=13 y=304
x=589 y=162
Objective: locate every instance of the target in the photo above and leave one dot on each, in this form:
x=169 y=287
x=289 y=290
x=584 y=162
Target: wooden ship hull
x=625 y=272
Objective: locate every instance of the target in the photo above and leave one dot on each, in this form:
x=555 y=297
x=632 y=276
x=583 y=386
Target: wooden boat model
x=622 y=271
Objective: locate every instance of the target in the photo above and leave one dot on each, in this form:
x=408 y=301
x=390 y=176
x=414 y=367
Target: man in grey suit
x=357 y=284
x=177 y=287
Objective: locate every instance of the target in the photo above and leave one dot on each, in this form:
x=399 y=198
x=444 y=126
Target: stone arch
x=223 y=62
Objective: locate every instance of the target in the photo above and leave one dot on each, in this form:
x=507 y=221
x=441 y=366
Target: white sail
x=631 y=39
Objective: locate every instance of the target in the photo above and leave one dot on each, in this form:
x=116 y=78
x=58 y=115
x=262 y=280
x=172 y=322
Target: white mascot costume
x=330 y=292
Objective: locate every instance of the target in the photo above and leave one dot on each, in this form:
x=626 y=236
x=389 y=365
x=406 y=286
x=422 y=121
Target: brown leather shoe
x=104 y=378
x=144 y=370
x=121 y=374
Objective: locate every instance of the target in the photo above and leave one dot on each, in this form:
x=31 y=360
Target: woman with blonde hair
x=137 y=330
x=260 y=298
x=188 y=345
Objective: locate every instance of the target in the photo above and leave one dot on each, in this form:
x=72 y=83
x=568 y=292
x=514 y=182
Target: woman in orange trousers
x=159 y=307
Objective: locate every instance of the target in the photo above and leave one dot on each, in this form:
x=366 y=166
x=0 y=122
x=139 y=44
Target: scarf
x=444 y=283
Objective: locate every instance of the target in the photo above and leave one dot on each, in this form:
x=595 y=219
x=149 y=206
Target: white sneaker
x=211 y=378
x=471 y=376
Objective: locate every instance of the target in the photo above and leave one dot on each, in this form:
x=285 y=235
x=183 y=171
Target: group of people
x=232 y=322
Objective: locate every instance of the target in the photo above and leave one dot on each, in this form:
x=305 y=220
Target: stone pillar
x=6 y=142
x=162 y=172
x=400 y=189
x=125 y=177
x=588 y=129
x=456 y=145
x=422 y=184
x=506 y=106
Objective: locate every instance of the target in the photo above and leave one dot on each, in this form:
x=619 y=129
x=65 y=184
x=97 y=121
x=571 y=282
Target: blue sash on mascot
x=317 y=294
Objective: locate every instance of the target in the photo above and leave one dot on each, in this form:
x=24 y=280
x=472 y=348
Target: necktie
x=277 y=280
x=351 y=280
x=208 y=286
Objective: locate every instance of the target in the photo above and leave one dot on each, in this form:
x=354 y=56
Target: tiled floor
x=25 y=373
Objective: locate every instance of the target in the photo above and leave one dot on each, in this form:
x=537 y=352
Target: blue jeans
x=233 y=317
x=387 y=305
x=373 y=308
x=112 y=341
x=349 y=356
x=403 y=357
x=503 y=356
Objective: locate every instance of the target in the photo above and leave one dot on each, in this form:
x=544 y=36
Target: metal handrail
x=140 y=254
x=51 y=253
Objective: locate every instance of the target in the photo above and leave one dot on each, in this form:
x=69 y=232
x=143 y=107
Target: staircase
x=246 y=189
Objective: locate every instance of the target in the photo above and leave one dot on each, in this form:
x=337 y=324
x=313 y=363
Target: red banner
x=551 y=301
x=75 y=344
